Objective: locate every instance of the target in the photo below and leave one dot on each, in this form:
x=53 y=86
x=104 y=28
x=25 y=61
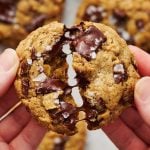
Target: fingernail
x=8 y=60
x=142 y=89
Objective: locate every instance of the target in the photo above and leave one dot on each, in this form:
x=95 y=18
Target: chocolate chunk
x=120 y=14
x=89 y=42
x=91 y=111
x=36 y=22
x=140 y=23
x=8 y=11
x=66 y=114
x=60 y=143
x=94 y=13
x=25 y=86
x=120 y=74
x=50 y=85
x=25 y=67
x=33 y=56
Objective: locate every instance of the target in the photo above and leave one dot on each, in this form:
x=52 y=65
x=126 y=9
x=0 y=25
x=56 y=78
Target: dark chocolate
x=120 y=74
x=50 y=85
x=93 y=13
x=90 y=41
x=8 y=11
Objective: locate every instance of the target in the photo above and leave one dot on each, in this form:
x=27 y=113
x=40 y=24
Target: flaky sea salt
x=40 y=78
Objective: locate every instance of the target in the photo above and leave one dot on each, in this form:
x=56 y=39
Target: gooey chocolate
x=8 y=11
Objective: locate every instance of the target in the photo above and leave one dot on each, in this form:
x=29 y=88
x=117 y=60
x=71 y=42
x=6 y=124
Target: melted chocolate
x=7 y=11
x=94 y=13
x=25 y=86
x=36 y=23
x=92 y=112
x=25 y=67
x=50 y=85
x=67 y=114
x=89 y=41
x=120 y=74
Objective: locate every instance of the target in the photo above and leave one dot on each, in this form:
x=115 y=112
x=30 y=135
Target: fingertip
x=9 y=63
x=142 y=98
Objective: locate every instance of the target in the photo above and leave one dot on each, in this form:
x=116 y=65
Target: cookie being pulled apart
x=64 y=72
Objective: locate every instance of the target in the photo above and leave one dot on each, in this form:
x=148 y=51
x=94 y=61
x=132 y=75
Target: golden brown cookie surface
x=65 y=71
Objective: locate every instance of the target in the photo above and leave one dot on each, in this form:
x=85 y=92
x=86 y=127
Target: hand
x=132 y=130
x=18 y=131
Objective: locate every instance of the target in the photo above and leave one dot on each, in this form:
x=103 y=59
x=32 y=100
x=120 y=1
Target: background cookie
x=130 y=18
x=54 y=141
x=19 y=17
x=66 y=71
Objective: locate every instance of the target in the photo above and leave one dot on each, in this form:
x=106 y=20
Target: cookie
x=64 y=72
x=19 y=17
x=55 y=141
x=130 y=18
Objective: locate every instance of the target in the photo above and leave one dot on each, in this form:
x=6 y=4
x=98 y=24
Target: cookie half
x=64 y=72
x=130 y=18
x=54 y=141
x=19 y=17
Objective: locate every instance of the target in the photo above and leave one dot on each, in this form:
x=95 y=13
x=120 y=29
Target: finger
x=132 y=119
x=123 y=137
x=8 y=100
x=7 y=69
x=30 y=137
x=142 y=98
x=14 y=124
x=142 y=59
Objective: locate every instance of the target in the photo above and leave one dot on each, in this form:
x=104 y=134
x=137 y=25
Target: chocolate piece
x=50 y=85
x=93 y=13
x=67 y=114
x=120 y=14
x=92 y=112
x=25 y=67
x=60 y=143
x=37 y=22
x=119 y=73
x=140 y=23
x=89 y=42
x=25 y=86
x=7 y=11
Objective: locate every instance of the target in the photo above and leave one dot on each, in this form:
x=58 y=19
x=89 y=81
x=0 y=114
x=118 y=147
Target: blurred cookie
x=65 y=71
x=20 y=17
x=130 y=18
x=54 y=141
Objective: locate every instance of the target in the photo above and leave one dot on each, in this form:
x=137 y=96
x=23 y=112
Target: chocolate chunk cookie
x=130 y=18
x=20 y=17
x=64 y=72
x=54 y=141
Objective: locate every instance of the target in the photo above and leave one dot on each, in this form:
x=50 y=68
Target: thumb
x=142 y=98
x=9 y=63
